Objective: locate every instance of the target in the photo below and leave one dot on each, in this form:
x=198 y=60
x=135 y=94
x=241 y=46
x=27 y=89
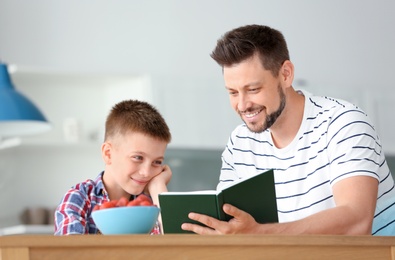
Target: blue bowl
x=126 y=220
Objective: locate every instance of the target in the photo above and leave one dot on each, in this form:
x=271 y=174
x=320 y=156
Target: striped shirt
x=74 y=213
x=335 y=141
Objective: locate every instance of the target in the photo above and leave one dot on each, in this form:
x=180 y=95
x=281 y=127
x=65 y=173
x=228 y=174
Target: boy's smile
x=135 y=158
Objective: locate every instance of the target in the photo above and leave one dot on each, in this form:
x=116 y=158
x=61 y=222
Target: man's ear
x=106 y=148
x=287 y=72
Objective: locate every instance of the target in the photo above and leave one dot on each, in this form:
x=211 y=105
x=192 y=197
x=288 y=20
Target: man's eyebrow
x=255 y=83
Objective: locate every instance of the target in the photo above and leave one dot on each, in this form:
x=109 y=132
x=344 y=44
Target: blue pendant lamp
x=18 y=115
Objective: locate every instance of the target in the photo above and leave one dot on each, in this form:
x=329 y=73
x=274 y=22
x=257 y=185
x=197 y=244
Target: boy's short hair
x=242 y=43
x=136 y=116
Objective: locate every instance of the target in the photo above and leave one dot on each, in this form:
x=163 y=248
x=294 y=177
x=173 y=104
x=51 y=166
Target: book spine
x=220 y=203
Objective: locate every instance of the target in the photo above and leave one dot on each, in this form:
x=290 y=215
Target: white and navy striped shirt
x=335 y=141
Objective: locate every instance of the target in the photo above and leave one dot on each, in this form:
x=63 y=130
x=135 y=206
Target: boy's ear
x=106 y=152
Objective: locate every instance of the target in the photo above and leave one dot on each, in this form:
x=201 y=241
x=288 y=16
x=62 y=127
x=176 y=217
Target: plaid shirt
x=73 y=215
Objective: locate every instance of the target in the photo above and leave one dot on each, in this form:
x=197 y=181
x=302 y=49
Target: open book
x=255 y=195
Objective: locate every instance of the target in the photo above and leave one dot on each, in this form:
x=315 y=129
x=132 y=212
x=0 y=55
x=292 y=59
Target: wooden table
x=24 y=247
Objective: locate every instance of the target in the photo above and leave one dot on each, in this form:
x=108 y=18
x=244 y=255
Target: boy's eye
x=138 y=157
x=158 y=162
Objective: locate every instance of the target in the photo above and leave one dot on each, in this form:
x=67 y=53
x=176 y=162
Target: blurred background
x=75 y=59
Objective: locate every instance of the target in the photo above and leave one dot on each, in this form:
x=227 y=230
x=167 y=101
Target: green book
x=255 y=195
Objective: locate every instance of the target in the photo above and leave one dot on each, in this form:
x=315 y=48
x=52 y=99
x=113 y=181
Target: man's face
x=255 y=94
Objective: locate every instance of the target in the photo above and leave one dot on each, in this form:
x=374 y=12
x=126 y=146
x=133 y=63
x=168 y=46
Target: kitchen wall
x=76 y=58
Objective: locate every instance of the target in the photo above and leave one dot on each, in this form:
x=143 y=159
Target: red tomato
x=108 y=204
x=132 y=203
x=122 y=202
x=140 y=200
x=143 y=197
x=145 y=203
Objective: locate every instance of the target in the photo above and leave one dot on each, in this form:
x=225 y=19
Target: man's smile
x=250 y=114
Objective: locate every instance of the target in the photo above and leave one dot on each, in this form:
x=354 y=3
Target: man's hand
x=241 y=223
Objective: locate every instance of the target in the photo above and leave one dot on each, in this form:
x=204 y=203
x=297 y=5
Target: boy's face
x=132 y=160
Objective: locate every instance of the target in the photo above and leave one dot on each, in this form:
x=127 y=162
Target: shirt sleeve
x=156 y=230
x=354 y=148
x=71 y=214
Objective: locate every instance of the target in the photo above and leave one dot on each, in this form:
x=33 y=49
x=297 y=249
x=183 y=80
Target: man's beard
x=271 y=118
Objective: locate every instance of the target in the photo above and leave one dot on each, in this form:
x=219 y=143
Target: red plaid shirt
x=73 y=215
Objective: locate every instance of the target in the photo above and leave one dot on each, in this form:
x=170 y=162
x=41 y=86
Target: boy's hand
x=159 y=182
x=157 y=185
x=163 y=177
x=166 y=173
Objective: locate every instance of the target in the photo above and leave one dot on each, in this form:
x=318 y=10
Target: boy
x=136 y=137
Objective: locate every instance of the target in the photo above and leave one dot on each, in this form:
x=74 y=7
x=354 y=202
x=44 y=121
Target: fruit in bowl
x=118 y=217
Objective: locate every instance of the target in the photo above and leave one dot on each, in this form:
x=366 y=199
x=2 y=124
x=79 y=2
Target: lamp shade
x=18 y=115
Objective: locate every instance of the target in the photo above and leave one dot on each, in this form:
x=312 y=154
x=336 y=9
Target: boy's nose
x=145 y=170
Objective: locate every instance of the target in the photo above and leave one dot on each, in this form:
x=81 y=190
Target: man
x=331 y=175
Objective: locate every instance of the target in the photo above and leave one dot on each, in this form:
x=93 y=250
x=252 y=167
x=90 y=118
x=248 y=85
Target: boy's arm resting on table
x=69 y=225
x=69 y=218
x=355 y=199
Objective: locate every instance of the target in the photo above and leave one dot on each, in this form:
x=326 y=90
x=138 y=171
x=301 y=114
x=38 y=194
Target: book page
x=215 y=192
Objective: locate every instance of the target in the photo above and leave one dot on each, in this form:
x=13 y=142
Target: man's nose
x=243 y=102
